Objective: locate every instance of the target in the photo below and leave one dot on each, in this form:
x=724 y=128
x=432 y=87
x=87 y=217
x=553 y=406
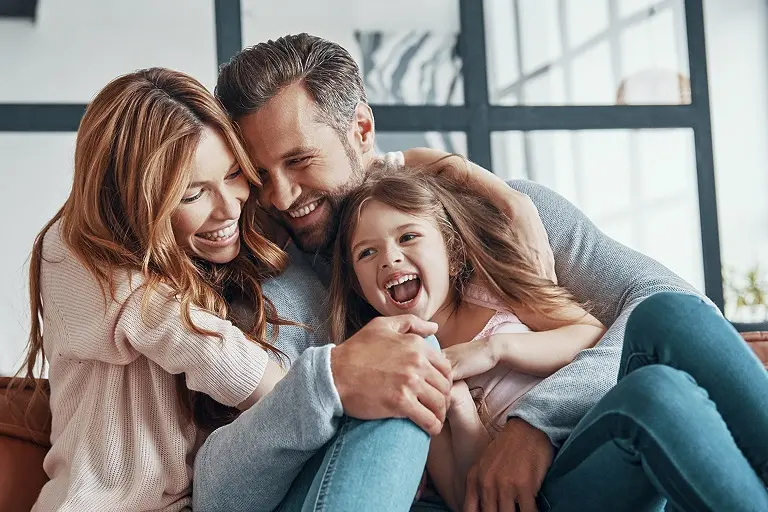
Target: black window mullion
x=705 y=166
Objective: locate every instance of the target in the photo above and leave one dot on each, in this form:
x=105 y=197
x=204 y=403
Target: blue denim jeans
x=686 y=425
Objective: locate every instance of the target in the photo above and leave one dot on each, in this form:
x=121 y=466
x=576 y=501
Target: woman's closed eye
x=192 y=199
x=234 y=174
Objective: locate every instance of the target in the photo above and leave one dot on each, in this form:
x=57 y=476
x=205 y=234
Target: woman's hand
x=471 y=358
x=517 y=206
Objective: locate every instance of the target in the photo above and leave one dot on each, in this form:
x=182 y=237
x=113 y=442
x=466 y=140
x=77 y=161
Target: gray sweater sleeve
x=613 y=279
x=268 y=445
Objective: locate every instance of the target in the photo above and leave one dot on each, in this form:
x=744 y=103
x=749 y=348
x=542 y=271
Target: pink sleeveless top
x=500 y=387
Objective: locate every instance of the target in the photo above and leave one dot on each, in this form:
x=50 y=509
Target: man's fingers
x=489 y=498
x=433 y=400
x=439 y=381
x=527 y=503
x=440 y=362
x=422 y=416
x=412 y=324
x=472 y=496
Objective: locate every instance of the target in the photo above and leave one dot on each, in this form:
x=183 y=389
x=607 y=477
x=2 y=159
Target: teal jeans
x=686 y=426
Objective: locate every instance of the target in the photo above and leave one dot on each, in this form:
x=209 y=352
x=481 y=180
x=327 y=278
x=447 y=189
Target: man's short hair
x=330 y=74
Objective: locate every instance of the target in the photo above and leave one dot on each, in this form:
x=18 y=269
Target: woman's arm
x=515 y=205
x=273 y=373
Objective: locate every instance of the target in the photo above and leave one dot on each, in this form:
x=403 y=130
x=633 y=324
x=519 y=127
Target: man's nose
x=283 y=190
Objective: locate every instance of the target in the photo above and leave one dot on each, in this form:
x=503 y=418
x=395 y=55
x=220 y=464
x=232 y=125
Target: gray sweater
x=302 y=413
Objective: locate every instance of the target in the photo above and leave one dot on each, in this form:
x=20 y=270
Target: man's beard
x=319 y=238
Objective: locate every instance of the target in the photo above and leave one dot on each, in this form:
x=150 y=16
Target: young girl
x=129 y=284
x=412 y=242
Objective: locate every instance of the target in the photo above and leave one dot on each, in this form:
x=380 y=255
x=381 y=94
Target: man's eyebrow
x=296 y=151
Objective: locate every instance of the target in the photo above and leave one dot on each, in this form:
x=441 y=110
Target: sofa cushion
x=24 y=440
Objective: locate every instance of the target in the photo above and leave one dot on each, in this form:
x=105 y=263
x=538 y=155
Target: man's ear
x=363 y=131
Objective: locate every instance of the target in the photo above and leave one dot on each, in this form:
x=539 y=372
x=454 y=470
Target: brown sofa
x=23 y=444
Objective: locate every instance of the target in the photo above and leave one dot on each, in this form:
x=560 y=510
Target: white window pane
x=540 y=33
x=603 y=173
x=585 y=19
x=451 y=142
x=593 y=82
x=501 y=44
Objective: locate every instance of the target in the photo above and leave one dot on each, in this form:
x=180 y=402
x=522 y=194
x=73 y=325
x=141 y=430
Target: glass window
x=407 y=51
x=638 y=186
x=451 y=142
x=550 y=52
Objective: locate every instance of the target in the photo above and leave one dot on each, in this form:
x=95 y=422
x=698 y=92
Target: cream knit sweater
x=120 y=441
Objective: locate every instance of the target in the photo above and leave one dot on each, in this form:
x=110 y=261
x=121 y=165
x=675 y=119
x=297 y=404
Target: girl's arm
x=553 y=345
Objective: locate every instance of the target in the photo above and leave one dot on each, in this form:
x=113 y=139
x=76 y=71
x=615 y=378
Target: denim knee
x=657 y=392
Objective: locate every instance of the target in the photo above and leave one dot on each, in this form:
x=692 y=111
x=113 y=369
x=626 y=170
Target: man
x=302 y=110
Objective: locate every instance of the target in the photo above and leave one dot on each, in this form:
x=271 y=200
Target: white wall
x=73 y=49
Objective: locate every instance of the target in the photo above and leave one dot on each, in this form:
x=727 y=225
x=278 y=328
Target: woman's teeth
x=220 y=234
x=303 y=211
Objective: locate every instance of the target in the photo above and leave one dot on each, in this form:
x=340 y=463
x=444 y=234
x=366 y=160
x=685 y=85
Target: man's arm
x=264 y=450
x=613 y=279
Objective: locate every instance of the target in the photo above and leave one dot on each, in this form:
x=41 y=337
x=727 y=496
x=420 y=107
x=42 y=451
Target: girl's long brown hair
x=481 y=241
x=133 y=159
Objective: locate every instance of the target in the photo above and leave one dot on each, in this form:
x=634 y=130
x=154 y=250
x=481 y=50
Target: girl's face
x=206 y=223
x=401 y=262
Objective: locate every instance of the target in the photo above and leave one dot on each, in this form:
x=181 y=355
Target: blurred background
x=651 y=116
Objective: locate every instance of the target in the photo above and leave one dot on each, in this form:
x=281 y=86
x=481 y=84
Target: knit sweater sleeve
x=224 y=365
x=613 y=279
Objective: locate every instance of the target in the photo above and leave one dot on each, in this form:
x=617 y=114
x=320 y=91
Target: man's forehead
x=286 y=122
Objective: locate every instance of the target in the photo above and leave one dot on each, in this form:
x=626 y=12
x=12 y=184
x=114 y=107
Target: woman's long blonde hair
x=133 y=158
x=481 y=243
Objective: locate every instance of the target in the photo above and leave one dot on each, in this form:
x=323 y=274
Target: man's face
x=307 y=167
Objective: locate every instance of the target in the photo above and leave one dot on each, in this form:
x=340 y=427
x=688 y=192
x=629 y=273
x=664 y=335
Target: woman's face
x=400 y=261
x=206 y=223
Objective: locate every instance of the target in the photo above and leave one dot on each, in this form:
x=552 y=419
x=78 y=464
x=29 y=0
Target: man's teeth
x=400 y=280
x=220 y=234
x=303 y=211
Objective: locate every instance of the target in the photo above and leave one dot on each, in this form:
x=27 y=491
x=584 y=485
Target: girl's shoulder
x=479 y=294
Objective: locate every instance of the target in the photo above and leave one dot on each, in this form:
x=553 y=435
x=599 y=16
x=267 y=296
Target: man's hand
x=471 y=358
x=511 y=470
x=386 y=370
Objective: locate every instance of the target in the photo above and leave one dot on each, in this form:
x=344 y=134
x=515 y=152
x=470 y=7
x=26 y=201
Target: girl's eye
x=235 y=174
x=364 y=254
x=193 y=198
x=408 y=237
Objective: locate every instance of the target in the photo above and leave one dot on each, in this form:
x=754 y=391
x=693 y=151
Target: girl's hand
x=471 y=358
